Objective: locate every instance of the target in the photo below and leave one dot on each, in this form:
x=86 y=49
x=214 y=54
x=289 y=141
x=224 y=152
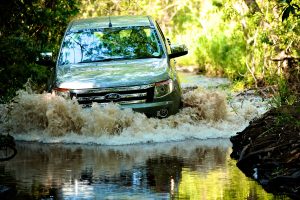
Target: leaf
x=293 y=10
x=286 y=13
x=296 y=6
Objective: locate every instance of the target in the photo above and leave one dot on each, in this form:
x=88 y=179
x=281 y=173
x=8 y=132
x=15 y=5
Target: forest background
x=255 y=43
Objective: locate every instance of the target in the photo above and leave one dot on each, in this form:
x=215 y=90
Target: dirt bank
x=268 y=150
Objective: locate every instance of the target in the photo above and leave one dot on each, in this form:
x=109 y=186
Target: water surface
x=194 y=169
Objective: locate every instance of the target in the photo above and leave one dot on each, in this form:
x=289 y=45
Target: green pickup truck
x=121 y=59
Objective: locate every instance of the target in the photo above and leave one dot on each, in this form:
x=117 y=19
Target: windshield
x=109 y=44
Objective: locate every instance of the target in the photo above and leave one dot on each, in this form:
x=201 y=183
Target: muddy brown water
x=194 y=169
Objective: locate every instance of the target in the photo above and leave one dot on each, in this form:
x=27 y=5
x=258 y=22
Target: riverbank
x=268 y=150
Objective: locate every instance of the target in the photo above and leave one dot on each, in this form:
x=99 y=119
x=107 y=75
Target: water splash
x=52 y=119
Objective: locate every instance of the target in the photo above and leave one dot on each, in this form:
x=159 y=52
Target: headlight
x=63 y=92
x=163 y=88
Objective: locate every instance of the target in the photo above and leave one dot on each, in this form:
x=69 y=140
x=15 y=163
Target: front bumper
x=154 y=109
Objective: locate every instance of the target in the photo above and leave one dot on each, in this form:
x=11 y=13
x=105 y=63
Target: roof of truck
x=103 y=22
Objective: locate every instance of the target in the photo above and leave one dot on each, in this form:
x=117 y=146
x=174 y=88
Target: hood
x=112 y=73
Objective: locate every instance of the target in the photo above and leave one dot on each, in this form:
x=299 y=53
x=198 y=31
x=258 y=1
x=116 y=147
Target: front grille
x=120 y=95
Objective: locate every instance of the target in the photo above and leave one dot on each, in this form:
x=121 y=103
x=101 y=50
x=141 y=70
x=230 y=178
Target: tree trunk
x=253 y=6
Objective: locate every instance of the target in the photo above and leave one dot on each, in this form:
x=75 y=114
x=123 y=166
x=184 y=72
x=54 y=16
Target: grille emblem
x=112 y=96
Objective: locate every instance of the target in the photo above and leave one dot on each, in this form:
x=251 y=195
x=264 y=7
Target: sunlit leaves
x=289 y=8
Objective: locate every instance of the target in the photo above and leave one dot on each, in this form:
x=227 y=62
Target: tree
x=27 y=28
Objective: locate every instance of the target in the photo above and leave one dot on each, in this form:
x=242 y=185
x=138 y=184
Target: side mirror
x=45 y=58
x=178 y=50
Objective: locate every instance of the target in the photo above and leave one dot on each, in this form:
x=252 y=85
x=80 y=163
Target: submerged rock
x=268 y=150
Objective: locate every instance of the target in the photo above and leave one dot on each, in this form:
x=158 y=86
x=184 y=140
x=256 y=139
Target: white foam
x=52 y=119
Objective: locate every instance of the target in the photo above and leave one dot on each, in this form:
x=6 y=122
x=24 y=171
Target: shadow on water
x=182 y=170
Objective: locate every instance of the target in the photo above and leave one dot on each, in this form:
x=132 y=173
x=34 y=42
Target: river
x=65 y=152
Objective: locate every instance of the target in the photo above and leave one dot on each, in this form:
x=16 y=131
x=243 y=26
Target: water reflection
x=185 y=170
x=104 y=44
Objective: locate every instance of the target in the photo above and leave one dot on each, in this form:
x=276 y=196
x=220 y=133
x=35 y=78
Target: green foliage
x=284 y=95
x=222 y=46
x=223 y=53
x=26 y=29
x=241 y=44
x=286 y=118
x=289 y=8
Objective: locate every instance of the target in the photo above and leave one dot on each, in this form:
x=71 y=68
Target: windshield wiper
x=101 y=60
x=148 y=57
x=120 y=58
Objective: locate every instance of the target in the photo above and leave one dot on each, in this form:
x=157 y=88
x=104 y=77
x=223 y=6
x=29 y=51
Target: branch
x=253 y=6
